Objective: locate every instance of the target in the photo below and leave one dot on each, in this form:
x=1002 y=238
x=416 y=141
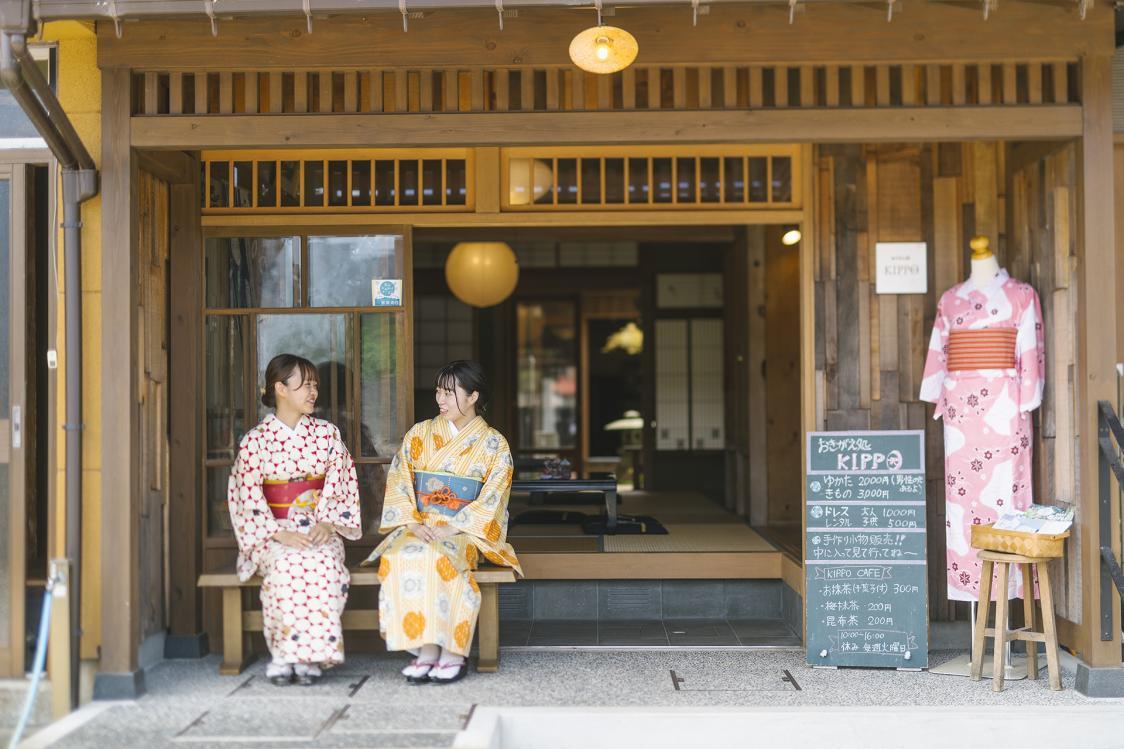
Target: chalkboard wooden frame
x=866 y=593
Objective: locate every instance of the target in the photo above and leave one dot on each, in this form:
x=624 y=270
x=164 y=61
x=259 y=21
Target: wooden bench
x=238 y=620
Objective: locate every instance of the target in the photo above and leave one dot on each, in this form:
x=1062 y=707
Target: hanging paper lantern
x=482 y=274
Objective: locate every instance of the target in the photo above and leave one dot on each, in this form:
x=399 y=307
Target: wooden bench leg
x=979 y=635
x=233 y=653
x=1048 y=628
x=1028 y=616
x=488 y=627
x=999 y=642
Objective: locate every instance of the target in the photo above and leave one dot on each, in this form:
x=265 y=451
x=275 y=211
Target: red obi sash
x=282 y=495
x=982 y=348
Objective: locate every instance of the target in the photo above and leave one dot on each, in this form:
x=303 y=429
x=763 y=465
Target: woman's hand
x=293 y=539
x=321 y=533
x=421 y=531
x=441 y=532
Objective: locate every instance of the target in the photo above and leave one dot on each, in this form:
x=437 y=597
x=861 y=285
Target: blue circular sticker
x=386 y=288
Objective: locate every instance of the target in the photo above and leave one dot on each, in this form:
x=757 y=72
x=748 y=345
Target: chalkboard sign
x=865 y=576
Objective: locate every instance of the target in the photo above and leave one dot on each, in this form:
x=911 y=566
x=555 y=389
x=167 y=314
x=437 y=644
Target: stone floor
x=366 y=703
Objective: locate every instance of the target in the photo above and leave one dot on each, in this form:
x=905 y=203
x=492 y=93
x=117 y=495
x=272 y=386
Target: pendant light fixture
x=603 y=49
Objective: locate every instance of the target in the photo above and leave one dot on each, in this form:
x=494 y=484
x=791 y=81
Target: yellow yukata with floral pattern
x=442 y=476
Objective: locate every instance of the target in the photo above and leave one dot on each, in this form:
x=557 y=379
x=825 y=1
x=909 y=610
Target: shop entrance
x=645 y=355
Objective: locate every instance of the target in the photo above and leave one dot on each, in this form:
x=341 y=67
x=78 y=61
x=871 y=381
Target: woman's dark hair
x=470 y=376
x=280 y=368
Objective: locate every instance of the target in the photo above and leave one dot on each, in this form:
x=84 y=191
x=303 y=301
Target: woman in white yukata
x=445 y=505
x=292 y=495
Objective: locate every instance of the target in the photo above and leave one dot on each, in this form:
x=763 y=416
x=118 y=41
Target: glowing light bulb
x=602 y=49
x=791 y=237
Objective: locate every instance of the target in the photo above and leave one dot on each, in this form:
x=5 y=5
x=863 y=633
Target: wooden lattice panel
x=650 y=177
x=557 y=89
x=337 y=181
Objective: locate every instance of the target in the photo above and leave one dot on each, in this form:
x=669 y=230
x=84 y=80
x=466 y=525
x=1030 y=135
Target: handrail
x=1110 y=438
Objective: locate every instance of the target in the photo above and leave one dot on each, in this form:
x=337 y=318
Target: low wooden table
x=540 y=488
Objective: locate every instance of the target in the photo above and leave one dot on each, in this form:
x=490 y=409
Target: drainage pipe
x=79 y=183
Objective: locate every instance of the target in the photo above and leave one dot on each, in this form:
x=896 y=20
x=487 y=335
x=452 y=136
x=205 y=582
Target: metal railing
x=1110 y=439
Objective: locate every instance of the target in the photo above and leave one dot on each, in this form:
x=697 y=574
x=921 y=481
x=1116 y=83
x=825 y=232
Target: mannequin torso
x=984 y=270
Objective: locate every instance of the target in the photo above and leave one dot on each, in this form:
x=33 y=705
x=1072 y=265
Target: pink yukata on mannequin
x=985 y=371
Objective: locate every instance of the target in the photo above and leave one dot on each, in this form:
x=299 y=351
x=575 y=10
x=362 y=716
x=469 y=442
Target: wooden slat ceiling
x=122 y=9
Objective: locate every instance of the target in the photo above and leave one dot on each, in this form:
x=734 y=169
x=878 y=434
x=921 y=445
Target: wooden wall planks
x=940 y=195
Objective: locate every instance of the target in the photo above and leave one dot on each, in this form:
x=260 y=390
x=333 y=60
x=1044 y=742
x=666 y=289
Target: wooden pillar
x=118 y=674
x=185 y=637
x=1098 y=315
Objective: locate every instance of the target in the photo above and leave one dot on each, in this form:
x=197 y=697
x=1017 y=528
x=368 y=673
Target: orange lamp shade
x=482 y=274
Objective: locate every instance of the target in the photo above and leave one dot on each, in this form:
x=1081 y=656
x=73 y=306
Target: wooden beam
x=185 y=616
x=1098 y=314
x=118 y=565
x=175 y=167
x=468 y=37
x=484 y=217
x=766 y=126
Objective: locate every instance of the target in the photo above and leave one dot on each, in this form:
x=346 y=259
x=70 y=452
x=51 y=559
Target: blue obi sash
x=444 y=493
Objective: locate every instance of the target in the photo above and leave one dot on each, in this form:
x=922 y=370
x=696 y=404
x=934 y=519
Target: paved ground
x=367 y=704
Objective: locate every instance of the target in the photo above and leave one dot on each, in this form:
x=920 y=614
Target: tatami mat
x=694 y=537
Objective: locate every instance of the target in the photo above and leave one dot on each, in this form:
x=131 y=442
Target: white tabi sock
x=276 y=668
x=307 y=669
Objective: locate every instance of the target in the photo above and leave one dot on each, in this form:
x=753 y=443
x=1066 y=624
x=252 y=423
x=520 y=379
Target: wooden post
x=186 y=408
x=233 y=638
x=1097 y=318
x=119 y=491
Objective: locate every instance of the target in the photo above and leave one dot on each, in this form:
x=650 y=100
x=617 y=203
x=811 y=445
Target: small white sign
x=386 y=292
x=902 y=267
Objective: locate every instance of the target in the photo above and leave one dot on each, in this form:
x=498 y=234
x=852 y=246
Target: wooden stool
x=1000 y=634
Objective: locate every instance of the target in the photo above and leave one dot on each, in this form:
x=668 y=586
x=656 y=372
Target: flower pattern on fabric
x=437 y=577
x=303 y=591
x=987 y=421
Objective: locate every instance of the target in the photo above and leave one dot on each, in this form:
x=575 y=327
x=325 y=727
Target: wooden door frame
x=12 y=661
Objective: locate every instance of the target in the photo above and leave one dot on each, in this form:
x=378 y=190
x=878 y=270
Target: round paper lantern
x=529 y=180
x=482 y=274
x=603 y=49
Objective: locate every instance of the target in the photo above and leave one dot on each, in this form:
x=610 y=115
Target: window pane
x=314 y=183
x=341 y=269
x=456 y=191
x=708 y=410
x=661 y=176
x=327 y=341
x=782 y=179
x=220 y=184
x=431 y=182
x=672 y=410
x=384 y=385
x=361 y=183
x=637 y=180
x=685 y=180
x=735 y=180
x=227 y=414
x=337 y=183
x=591 y=180
x=267 y=184
x=547 y=378
x=567 y=181
x=614 y=180
x=251 y=271
x=758 y=174
x=243 y=184
x=218 y=512
x=710 y=186
x=290 y=184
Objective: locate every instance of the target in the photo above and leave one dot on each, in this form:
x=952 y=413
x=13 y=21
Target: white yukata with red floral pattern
x=303 y=591
x=987 y=422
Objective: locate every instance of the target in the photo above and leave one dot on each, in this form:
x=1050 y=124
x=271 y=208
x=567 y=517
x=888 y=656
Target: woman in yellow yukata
x=445 y=506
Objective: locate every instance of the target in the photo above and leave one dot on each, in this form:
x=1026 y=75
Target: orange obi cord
x=985 y=348
x=283 y=495
x=443 y=498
